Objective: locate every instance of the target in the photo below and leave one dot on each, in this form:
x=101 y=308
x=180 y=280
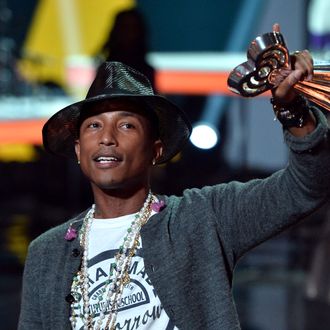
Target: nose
x=108 y=137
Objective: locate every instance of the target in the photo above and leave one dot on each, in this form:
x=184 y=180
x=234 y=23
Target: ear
x=158 y=149
x=77 y=149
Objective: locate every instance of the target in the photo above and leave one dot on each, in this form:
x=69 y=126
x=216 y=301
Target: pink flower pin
x=71 y=234
x=157 y=206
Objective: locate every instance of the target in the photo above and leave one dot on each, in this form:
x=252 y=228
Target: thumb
x=276 y=27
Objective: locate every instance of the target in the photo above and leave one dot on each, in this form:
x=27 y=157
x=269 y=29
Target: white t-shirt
x=140 y=307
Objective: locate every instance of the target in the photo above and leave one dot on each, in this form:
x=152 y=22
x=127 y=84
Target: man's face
x=116 y=147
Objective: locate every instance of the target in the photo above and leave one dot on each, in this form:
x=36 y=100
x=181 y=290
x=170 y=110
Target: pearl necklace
x=118 y=276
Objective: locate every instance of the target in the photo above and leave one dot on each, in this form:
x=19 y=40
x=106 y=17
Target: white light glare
x=204 y=136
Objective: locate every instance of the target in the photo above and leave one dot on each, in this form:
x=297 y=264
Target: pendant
x=126 y=279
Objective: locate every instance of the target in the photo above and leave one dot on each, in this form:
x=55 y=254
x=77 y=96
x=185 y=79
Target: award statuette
x=268 y=63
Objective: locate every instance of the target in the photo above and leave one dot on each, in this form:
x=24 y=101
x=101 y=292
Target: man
x=139 y=261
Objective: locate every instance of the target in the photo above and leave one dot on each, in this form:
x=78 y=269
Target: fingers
x=303 y=61
x=301 y=69
x=285 y=91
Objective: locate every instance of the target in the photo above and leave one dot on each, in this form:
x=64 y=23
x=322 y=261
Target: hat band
x=116 y=91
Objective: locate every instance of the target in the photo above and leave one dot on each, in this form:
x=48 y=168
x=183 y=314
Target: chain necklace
x=118 y=276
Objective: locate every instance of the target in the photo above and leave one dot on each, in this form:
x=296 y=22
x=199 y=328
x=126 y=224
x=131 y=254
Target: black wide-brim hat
x=115 y=80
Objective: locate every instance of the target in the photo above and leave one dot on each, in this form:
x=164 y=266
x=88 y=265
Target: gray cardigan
x=191 y=247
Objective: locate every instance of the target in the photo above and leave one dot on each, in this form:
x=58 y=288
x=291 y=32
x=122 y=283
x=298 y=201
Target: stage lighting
x=204 y=136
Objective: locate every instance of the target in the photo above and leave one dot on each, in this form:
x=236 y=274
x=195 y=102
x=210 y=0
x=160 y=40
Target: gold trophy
x=268 y=62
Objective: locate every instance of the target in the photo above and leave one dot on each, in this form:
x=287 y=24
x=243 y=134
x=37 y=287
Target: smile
x=104 y=160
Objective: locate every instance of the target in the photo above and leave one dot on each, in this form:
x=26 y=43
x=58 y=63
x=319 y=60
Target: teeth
x=106 y=159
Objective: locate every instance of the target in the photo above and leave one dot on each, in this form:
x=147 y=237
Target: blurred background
x=49 y=52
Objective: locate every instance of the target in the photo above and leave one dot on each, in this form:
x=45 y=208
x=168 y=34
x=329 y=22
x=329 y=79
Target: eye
x=93 y=125
x=127 y=125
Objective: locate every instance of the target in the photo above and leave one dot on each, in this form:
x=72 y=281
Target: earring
x=78 y=162
x=154 y=161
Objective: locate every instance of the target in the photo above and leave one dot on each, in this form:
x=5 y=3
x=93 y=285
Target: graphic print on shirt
x=139 y=306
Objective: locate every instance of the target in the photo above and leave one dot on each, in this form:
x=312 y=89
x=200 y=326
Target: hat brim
x=61 y=130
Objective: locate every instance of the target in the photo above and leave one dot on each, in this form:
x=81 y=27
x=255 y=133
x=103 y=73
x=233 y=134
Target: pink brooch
x=157 y=206
x=71 y=234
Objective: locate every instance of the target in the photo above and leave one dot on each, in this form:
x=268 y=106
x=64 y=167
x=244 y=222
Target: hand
x=301 y=69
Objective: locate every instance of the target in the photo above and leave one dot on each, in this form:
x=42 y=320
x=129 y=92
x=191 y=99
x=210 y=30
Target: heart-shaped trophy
x=268 y=62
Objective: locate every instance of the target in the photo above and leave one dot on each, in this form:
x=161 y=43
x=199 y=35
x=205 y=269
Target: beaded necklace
x=118 y=276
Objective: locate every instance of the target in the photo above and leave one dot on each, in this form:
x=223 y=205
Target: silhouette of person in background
x=127 y=43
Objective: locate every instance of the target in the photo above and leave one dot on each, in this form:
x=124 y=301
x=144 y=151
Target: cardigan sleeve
x=30 y=315
x=249 y=213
